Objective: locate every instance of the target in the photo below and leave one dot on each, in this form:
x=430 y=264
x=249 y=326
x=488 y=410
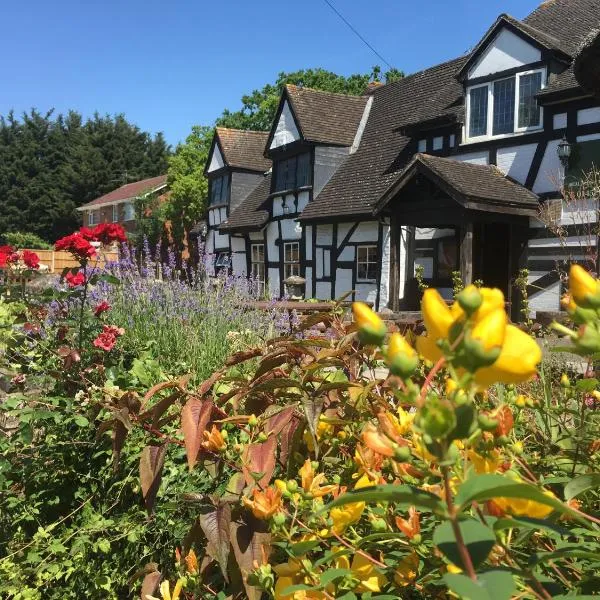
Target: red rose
x=74 y=280
x=107 y=233
x=101 y=307
x=108 y=338
x=77 y=245
x=88 y=234
x=31 y=259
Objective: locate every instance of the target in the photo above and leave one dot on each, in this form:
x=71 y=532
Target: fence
x=56 y=261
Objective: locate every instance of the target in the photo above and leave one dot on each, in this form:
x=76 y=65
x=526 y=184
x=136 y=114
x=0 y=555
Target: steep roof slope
x=129 y=191
x=250 y=214
x=244 y=149
x=326 y=117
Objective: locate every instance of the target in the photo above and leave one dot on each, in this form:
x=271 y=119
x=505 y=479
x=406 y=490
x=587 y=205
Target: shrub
x=25 y=239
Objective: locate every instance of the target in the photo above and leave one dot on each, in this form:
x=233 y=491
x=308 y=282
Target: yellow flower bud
x=490 y=330
x=371 y=329
x=565 y=381
x=401 y=356
x=437 y=315
x=583 y=287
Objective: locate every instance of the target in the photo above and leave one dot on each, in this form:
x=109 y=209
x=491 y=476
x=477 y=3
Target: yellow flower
x=214 y=441
x=436 y=314
x=371 y=328
x=323 y=429
x=165 y=591
x=485 y=464
x=191 y=562
x=401 y=356
x=288 y=574
x=265 y=504
x=452 y=568
x=450 y=386
x=490 y=330
x=406 y=571
x=311 y=483
x=370 y=580
x=521 y=507
x=582 y=286
x=346 y=515
x=428 y=349
x=379 y=443
x=517 y=362
x=521 y=401
x=491 y=299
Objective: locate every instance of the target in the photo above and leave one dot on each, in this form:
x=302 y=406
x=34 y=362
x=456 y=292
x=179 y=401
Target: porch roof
x=474 y=187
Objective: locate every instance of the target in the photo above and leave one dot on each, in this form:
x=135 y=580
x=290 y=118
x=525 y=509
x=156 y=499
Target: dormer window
x=219 y=190
x=504 y=106
x=292 y=173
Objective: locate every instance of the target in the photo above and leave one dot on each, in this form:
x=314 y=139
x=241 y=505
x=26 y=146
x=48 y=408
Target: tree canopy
x=49 y=165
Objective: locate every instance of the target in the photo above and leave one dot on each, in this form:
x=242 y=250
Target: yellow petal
x=399 y=345
x=493 y=299
x=517 y=362
x=437 y=315
x=581 y=284
x=281 y=584
x=428 y=349
x=490 y=330
x=165 y=590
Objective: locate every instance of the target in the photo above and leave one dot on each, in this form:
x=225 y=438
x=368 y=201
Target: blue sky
x=170 y=64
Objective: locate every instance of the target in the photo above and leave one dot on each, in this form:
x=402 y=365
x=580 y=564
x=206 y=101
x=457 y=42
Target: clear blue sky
x=170 y=64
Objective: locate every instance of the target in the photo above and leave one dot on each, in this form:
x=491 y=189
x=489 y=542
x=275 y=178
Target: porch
x=485 y=217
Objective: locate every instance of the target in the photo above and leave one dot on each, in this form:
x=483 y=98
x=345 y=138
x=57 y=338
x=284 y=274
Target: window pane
x=529 y=111
x=303 y=177
x=504 y=106
x=478 y=107
x=280 y=178
x=290 y=174
x=225 y=189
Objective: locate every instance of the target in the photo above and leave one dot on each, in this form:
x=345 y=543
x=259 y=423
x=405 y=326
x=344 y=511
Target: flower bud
x=565 y=381
x=371 y=329
x=437 y=418
x=584 y=289
x=402 y=453
x=279 y=519
x=292 y=486
x=470 y=299
x=402 y=358
x=588 y=339
x=252 y=421
x=379 y=525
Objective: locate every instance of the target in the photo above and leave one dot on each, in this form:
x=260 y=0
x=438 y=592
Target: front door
x=491 y=255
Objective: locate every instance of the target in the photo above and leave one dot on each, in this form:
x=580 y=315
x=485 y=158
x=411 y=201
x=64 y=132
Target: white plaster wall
x=309 y=248
x=574 y=241
x=422 y=146
x=559 y=121
x=273 y=256
x=438 y=142
x=323 y=290
x=216 y=160
x=579 y=211
x=222 y=214
x=256 y=236
x=319 y=258
x=303 y=198
x=506 y=51
x=588 y=138
x=324 y=235
x=475 y=158
x=290 y=229
x=238 y=263
x=343 y=281
x=347 y=253
x=385 y=269
x=549 y=175
x=286 y=131
x=343 y=229
x=365 y=232
x=308 y=275
x=429 y=233
x=221 y=240
x=209 y=246
x=588 y=115
x=515 y=161
x=547 y=299
x=366 y=292
x=273 y=275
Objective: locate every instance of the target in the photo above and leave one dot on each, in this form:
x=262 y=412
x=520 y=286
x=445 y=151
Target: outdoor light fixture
x=286 y=208
x=564 y=152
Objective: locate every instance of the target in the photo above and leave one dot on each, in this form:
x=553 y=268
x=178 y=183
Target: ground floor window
x=366 y=263
x=291 y=259
x=222 y=262
x=257 y=262
x=93 y=217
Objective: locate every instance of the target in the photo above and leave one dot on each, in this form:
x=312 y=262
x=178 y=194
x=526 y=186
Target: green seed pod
x=487 y=423
x=470 y=299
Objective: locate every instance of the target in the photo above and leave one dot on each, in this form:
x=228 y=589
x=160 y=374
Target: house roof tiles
x=250 y=214
x=244 y=149
x=129 y=191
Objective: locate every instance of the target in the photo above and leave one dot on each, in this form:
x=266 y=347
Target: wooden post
x=466 y=253
x=394 y=290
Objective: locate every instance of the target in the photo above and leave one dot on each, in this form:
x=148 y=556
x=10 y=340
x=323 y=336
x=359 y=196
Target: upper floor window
x=505 y=106
x=219 y=190
x=292 y=173
x=93 y=217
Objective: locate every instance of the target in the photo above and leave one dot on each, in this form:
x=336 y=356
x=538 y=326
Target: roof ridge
x=309 y=89
x=260 y=131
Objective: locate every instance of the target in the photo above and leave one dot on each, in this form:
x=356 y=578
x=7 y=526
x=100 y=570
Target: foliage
x=24 y=239
x=50 y=164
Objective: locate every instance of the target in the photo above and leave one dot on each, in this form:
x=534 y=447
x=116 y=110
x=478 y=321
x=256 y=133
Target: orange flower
x=377 y=442
x=265 y=504
x=311 y=483
x=412 y=526
x=214 y=441
x=191 y=562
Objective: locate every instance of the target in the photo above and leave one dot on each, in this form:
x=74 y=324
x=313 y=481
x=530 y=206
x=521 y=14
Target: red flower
x=108 y=338
x=101 y=307
x=88 y=234
x=77 y=245
x=74 y=280
x=31 y=259
x=107 y=233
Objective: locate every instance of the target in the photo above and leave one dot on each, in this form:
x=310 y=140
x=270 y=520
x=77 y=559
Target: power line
x=341 y=16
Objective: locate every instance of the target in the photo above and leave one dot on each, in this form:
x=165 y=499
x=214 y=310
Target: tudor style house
x=118 y=206
x=450 y=168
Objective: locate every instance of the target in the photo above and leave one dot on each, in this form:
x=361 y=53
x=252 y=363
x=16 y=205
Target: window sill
x=222 y=205
x=502 y=136
x=304 y=188
x=366 y=281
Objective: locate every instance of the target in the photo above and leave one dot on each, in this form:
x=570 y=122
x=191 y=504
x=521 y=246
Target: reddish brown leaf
x=239 y=357
x=250 y=540
x=157 y=411
x=207 y=384
x=278 y=420
x=150 y=584
x=151 y=464
x=194 y=419
x=215 y=525
x=270 y=362
x=163 y=385
x=234 y=489
x=288 y=438
x=260 y=459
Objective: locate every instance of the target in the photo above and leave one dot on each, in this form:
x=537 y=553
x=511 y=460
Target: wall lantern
x=564 y=152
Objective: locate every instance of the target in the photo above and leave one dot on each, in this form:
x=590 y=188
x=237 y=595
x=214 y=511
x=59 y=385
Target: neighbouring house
x=449 y=168
x=118 y=206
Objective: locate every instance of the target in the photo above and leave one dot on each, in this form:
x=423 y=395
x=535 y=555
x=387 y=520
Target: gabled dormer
x=312 y=134
x=503 y=77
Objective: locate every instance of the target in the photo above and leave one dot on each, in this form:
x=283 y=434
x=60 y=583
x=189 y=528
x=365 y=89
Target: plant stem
x=460 y=542
x=83 y=301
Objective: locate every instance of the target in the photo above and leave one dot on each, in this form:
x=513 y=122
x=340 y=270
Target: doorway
x=491 y=255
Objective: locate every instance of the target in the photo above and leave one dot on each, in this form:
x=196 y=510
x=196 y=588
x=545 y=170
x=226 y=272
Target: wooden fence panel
x=57 y=261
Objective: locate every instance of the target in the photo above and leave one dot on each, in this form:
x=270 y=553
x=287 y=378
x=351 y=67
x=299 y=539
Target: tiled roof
x=326 y=117
x=559 y=84
x=129 y=191
x=468 y=183
x=244 y=149
x=250 y=214
x=586 y=67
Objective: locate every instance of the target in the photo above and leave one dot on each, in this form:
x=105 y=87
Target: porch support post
x=394 y=291
x=466 y=253
x=519 y=236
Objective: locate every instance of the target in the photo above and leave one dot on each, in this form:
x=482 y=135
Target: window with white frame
x=257 y=262
x=505 y=106
x=366 y=263
x=222 y=262
x=93 y=217
x=115 y=213
x=291 y=259
x=128 y=211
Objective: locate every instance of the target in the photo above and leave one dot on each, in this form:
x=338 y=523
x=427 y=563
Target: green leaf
x=478 y=538
x=81 y=421
x=301 y=548
x=565 y=552
x=586 y=385
x=491 y=585
x=480 y=488
x=527 y=523
x=400 y=494
x=580 y=484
